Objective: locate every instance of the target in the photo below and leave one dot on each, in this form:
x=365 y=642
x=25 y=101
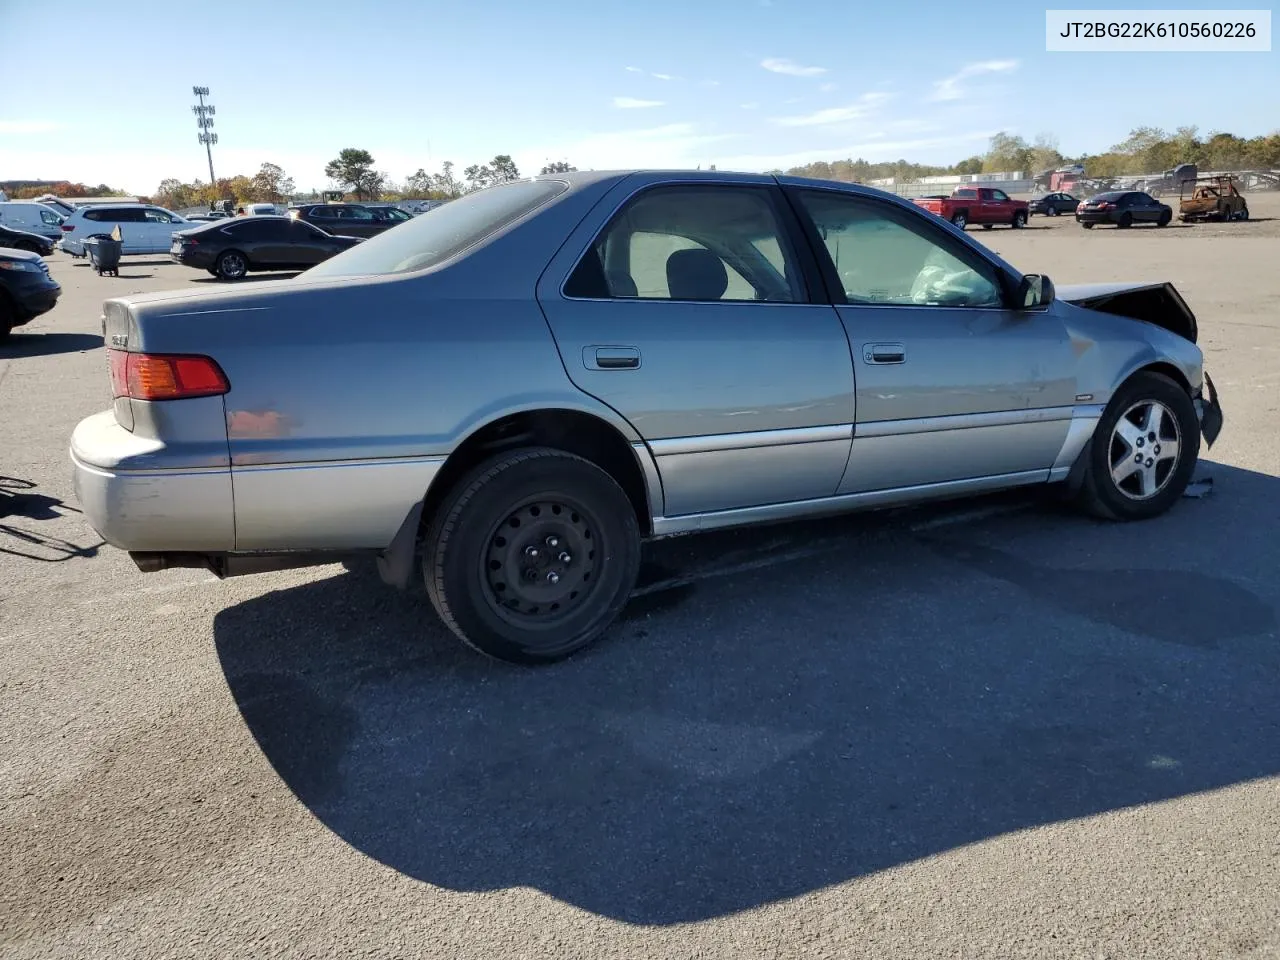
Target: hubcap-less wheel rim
x=959 y=221
x=540 y=563
x=1146 y=447
x=233 y=265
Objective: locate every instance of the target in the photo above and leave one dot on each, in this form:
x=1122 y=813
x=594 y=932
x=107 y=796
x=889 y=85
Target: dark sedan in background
x=1124 y=208
x=26 y=289
x=1054 y=204
x=350 y=219
x=229 y=249
x=21 y=240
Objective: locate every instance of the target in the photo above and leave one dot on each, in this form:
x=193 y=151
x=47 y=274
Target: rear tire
x=1087 y=226
x=232 y=265
x=6 y=317
x=960 y=220
x=1244 y=214
x=1113 y=485
x=1054 y=212
x=1125 y=221
x=532 y=555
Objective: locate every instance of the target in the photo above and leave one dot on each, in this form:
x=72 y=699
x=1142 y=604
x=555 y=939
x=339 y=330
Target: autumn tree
x=271 y=184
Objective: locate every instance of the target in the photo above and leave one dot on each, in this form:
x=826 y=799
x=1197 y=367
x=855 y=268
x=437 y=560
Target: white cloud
x=662 y=76
x=711 y=83
x=749 y=106
x=828 y=87
x=791 y=68
x=949 y=88
x=672 y=146
x=865 y=105
x=27 y=126
x=633 y=70
x=632 y=103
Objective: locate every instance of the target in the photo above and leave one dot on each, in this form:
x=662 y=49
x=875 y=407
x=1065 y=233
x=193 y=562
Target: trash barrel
x=104 y=254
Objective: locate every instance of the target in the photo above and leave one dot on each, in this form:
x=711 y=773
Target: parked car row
x=989 y=207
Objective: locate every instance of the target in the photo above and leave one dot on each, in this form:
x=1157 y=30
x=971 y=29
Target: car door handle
x=611 y=358
x=884 y=353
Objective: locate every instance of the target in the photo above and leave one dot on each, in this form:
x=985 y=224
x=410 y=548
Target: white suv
x=143 y=228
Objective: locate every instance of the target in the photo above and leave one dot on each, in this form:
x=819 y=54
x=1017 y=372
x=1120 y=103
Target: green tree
x=445 y=183
x=418 y=183
x=504 y=169
x=353 y=168
x=1006 y=153
x=559 y=166
x=478 y=177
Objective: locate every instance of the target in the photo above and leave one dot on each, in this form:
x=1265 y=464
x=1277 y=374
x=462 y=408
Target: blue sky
x=744 y=84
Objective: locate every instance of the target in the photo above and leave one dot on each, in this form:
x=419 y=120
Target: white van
x=31 y=217
x=143 y=228
x=261 y=210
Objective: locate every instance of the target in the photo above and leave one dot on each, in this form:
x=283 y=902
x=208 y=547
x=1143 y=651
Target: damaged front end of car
x=1161 y=305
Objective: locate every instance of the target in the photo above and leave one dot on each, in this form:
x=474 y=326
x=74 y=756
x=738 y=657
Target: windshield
x=1108 y=197
x=427 y=241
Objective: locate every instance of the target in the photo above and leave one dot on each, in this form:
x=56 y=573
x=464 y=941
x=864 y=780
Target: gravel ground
x=988 y=729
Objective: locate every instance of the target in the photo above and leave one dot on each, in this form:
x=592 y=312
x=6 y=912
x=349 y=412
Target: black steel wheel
x=1143 y=450
x=532 y=556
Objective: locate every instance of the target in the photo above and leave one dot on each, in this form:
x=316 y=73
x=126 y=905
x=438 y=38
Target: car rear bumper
x=1090 y=216
x=73 y=247
x=137 y=503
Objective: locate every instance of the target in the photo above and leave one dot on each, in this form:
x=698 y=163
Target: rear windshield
x=1110 y=197
x=452 y=227
x=965 y=194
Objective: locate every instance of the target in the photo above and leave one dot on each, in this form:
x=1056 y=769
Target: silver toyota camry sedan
x=511 y=394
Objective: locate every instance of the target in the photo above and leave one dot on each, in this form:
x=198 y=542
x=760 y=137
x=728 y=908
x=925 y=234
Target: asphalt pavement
x=993 y=728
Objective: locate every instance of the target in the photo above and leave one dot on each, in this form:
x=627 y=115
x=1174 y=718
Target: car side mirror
x=1034 y=291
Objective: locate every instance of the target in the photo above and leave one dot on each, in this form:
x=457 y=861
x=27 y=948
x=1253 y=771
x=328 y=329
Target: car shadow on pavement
x=19 y=503
x=898 y=691
x=38 y=344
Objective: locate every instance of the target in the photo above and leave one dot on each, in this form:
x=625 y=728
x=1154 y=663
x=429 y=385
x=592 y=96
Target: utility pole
x=204 y=120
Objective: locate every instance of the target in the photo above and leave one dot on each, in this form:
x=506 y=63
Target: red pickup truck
x=984 y=205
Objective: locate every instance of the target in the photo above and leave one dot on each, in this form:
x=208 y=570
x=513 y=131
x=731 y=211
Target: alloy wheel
x=1146 y=446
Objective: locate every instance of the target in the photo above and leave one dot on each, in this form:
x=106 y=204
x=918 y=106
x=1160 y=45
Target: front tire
x=1143 y=450
x=532 y=556
x=232 y=265
x=1019 y=220
x=1164 y=219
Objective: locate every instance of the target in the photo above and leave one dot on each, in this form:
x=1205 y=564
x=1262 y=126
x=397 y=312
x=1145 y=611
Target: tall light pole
x=204 y=120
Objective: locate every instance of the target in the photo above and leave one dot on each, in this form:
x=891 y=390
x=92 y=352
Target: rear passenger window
x=712 y=243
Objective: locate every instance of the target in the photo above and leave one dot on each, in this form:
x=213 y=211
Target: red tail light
x=1106 y=206
x=67 y=227
x=152 y=376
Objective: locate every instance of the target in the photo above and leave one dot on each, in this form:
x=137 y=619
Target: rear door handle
x=884 y=353
x=611 y=358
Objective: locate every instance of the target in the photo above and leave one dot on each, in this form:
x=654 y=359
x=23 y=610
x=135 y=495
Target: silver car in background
x=510 y=394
